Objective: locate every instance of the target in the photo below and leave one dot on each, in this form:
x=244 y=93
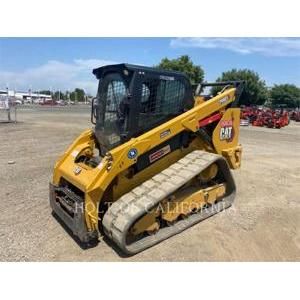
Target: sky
x=67 y=63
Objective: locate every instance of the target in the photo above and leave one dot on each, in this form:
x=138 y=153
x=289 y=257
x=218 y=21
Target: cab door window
x=160 y=99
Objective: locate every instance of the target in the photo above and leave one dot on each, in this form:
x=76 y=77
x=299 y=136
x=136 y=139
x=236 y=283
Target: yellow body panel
x=95 y=181
x=226 y=137
x=226 y=133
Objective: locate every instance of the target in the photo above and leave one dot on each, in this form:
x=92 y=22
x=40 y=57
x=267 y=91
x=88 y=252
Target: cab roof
x=99 y=72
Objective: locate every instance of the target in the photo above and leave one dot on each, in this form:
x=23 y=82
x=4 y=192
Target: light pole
x=7 y=104
x=84 y=96
x=68 y=97
x=30 y=93
x=51 y=94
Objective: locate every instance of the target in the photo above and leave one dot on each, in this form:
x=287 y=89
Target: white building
x=26 y=96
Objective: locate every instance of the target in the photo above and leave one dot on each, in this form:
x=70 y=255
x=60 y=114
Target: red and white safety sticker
x=159 y=153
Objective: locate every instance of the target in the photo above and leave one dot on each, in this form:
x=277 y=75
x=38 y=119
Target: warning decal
x=159 y=153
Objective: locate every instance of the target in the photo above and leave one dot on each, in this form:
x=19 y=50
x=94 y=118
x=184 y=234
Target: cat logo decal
x=226 y=131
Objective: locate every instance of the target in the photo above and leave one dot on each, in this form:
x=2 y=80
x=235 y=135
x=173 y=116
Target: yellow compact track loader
x=156 y=162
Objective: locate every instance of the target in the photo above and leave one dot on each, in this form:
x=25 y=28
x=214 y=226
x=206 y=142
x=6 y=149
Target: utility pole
x=84 y=96
x=30 y=93
x=7 y=104
x=51 y=94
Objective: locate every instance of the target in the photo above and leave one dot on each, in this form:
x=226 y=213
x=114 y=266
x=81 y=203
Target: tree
x=77 y=95
x=44 y=92
x=59 y=95
x=255 y=91
x=183 y=64
x=287 y=94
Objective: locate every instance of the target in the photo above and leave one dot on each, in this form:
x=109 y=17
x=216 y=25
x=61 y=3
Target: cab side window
x=159 y=99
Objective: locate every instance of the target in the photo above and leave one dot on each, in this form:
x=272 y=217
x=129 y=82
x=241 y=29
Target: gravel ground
x=262 y=225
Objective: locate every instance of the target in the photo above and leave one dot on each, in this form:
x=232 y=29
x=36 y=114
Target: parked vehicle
x=265 y=117
x=49 y=102
x=17 y=102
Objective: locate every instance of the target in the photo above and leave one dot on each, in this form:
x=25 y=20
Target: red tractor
x=258 y=119
x=267 y=117
x=295 y=115
x=279 y=119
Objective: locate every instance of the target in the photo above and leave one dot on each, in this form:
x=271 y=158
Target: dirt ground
x=262 y=225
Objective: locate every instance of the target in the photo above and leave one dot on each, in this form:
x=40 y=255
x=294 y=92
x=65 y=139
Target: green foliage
x=59 y=95
x=287 y=94
x=255 y=90
x=77 y=95
x=183 y=64
x=45 y=92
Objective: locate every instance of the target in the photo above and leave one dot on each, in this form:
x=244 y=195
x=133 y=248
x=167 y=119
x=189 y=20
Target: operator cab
x=133 y=99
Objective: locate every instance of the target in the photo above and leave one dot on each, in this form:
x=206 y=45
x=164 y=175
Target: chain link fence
x=8 y=109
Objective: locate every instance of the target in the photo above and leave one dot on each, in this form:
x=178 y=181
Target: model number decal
x=159 y=153
x=226 y=130
x=223 y=100
x=165 y=133
x=164 y=77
